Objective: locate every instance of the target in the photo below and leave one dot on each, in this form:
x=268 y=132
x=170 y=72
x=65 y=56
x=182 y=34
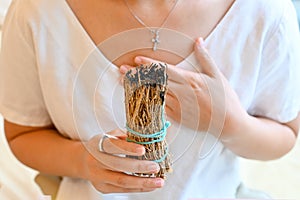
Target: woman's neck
x=152 y=2
x=153 y=12
x=151 y=5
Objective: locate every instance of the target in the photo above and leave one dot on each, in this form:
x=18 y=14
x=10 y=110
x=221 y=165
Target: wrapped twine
x=145 y=92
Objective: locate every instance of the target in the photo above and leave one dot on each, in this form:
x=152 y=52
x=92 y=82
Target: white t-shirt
x=52 y=72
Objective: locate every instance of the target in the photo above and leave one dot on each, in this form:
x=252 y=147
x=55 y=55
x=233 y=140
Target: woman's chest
x=192 y=19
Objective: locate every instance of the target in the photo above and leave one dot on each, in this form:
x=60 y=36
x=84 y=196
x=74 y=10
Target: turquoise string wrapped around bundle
x=145 y=93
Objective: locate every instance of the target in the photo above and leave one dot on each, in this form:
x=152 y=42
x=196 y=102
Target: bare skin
x=52 y=153
x=206 y=12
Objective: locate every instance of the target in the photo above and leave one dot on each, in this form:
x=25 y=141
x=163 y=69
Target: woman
x=60 y=93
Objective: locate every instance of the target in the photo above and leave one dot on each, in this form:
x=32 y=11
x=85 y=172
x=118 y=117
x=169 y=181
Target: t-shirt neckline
x=91 y=43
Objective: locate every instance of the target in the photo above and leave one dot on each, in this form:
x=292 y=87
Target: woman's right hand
x=109 y=170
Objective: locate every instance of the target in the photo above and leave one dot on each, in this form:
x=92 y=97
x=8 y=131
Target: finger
x=118 y=134
x=172 y=102
x=174 y=73
x=141 y=60
x=133 y=182
x=124 y=164
x=186 y=87
x=125 y=68
x=206 y=63
x=177 y=75
x=170 y=93
x=114 y=145
x=170 y=111
x=119 y=146
x=173 y=114
x=173 y=107
x=109 y=188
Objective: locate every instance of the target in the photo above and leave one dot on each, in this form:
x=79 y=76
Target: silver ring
x=101 y=143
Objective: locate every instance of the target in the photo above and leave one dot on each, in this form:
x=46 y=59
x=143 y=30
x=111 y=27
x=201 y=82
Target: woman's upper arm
x=13 y=130
x=294 y=124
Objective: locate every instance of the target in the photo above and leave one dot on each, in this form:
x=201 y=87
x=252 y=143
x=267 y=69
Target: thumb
x=206 y=63
x=123 y=69
x=142 y=60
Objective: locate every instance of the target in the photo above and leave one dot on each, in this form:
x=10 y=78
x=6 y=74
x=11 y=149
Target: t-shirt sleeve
x=277 y=93
x=21 y=99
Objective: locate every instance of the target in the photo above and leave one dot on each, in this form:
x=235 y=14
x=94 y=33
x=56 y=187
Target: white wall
x=3 y=6
x=279 y=178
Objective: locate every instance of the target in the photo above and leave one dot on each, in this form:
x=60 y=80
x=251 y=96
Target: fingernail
x=137 y=59
x=123 y=69
x=200 y=42
x=159 y=182
x=153 y=167
x=140 y=150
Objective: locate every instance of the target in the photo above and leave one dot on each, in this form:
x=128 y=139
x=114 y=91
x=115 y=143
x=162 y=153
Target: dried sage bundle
x=145 y=92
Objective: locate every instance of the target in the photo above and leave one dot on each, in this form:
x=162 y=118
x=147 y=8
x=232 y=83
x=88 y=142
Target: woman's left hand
x=201 y=100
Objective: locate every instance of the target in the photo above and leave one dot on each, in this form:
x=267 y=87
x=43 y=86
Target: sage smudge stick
x=145 y=93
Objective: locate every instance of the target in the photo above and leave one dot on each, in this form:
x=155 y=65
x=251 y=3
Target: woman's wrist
x=235 y=126
x=238 y=137
x=79 y=154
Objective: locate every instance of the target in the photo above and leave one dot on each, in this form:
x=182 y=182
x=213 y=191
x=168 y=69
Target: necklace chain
x=155 y=40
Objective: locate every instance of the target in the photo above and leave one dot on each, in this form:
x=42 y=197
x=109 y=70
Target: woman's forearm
x=45 y=150
x=262 y=139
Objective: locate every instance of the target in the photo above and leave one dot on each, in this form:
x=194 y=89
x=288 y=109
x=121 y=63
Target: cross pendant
x=155 y=39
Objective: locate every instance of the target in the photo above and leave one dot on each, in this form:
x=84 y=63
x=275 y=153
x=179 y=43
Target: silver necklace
x=155 y=40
